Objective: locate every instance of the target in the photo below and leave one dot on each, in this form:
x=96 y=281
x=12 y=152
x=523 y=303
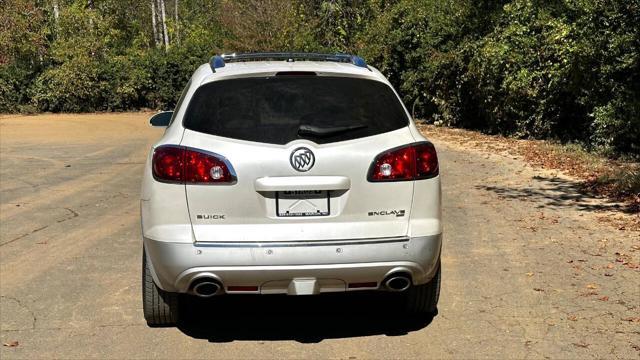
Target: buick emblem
x=302 y=159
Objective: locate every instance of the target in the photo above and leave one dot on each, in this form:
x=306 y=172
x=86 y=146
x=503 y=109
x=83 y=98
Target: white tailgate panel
x=246 y=210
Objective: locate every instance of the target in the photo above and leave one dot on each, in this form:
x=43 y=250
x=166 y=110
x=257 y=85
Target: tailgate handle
x=284 y=183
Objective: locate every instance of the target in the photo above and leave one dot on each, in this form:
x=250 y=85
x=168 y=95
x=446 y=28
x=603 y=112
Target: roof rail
x=219 y=61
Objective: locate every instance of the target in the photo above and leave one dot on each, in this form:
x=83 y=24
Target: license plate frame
x=286 y=200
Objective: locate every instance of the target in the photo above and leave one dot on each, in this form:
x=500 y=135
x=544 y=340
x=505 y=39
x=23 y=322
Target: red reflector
x=426 y=161
x=242 y=288
x=363 y=285
x=412 y=162
x=179 y=164
x=168 y=163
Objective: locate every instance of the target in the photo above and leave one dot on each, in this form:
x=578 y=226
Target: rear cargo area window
x=280 y=109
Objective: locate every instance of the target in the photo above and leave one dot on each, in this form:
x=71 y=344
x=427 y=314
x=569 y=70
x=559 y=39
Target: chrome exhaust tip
x=397 y=283
x=206 y=288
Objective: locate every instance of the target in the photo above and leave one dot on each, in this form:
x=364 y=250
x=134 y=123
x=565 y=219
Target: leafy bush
x=521 y=72
x=12 y=80
x=616 y=126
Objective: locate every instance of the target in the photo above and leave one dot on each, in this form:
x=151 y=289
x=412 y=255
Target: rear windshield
x=280 y=109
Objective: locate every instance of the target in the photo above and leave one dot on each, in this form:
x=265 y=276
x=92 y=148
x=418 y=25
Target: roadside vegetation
x=565 y=70
x=615 y=179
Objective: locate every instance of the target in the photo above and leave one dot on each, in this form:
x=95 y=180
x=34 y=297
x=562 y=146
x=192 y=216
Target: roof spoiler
x=218 y=61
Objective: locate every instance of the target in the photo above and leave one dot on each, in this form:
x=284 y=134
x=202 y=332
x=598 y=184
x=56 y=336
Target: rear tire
x=160 y=307
x=423 y=299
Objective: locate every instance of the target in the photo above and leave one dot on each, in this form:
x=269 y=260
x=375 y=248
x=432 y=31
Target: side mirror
x=161 y=119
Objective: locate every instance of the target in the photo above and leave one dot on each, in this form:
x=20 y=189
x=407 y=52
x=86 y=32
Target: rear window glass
x=280 y=109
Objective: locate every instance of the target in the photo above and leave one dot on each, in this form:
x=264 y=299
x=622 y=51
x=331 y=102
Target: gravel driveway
x=531 y=267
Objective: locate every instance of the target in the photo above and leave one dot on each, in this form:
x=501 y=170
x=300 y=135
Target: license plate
x=302 y=203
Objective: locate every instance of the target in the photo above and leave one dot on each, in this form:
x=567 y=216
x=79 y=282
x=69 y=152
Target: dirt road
x=531 y=268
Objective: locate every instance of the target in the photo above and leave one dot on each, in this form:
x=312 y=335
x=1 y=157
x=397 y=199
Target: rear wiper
x=327 y=131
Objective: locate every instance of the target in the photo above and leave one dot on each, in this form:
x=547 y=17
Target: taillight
x=168 y=164
x=426 y=161
x=179 y=164
x=412 y=162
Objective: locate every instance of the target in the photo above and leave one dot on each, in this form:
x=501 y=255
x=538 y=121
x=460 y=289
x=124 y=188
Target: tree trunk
x=164 y=25
x=154 y=23
x=90 y=7
x=177 y=24
x=56 y=16
x=56 y=11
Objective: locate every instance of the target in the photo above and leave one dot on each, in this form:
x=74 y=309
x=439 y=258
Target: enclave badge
x=302 y=159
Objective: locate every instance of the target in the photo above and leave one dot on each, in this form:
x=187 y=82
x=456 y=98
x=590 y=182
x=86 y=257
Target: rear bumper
x=273 y=266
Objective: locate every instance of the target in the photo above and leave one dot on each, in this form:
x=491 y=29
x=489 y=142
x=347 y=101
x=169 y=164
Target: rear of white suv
x=290 y=174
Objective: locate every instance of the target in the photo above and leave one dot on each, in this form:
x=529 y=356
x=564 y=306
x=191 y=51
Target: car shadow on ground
x=557 y=192
x=306 y=319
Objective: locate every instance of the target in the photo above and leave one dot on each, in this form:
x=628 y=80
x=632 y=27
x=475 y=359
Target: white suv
x=289 y=173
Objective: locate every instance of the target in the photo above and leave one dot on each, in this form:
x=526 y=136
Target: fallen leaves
x=622 y=258
x=571 y=261
x=529 y=274
x=538 y=289
x=552 y=220
x=592 y=290
x=528 y=343
x=13 y=343
x=582 y=345
x=604 y=298
x=625 y=260
x=632 y=319
x=588 y=168
x=573 y=318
